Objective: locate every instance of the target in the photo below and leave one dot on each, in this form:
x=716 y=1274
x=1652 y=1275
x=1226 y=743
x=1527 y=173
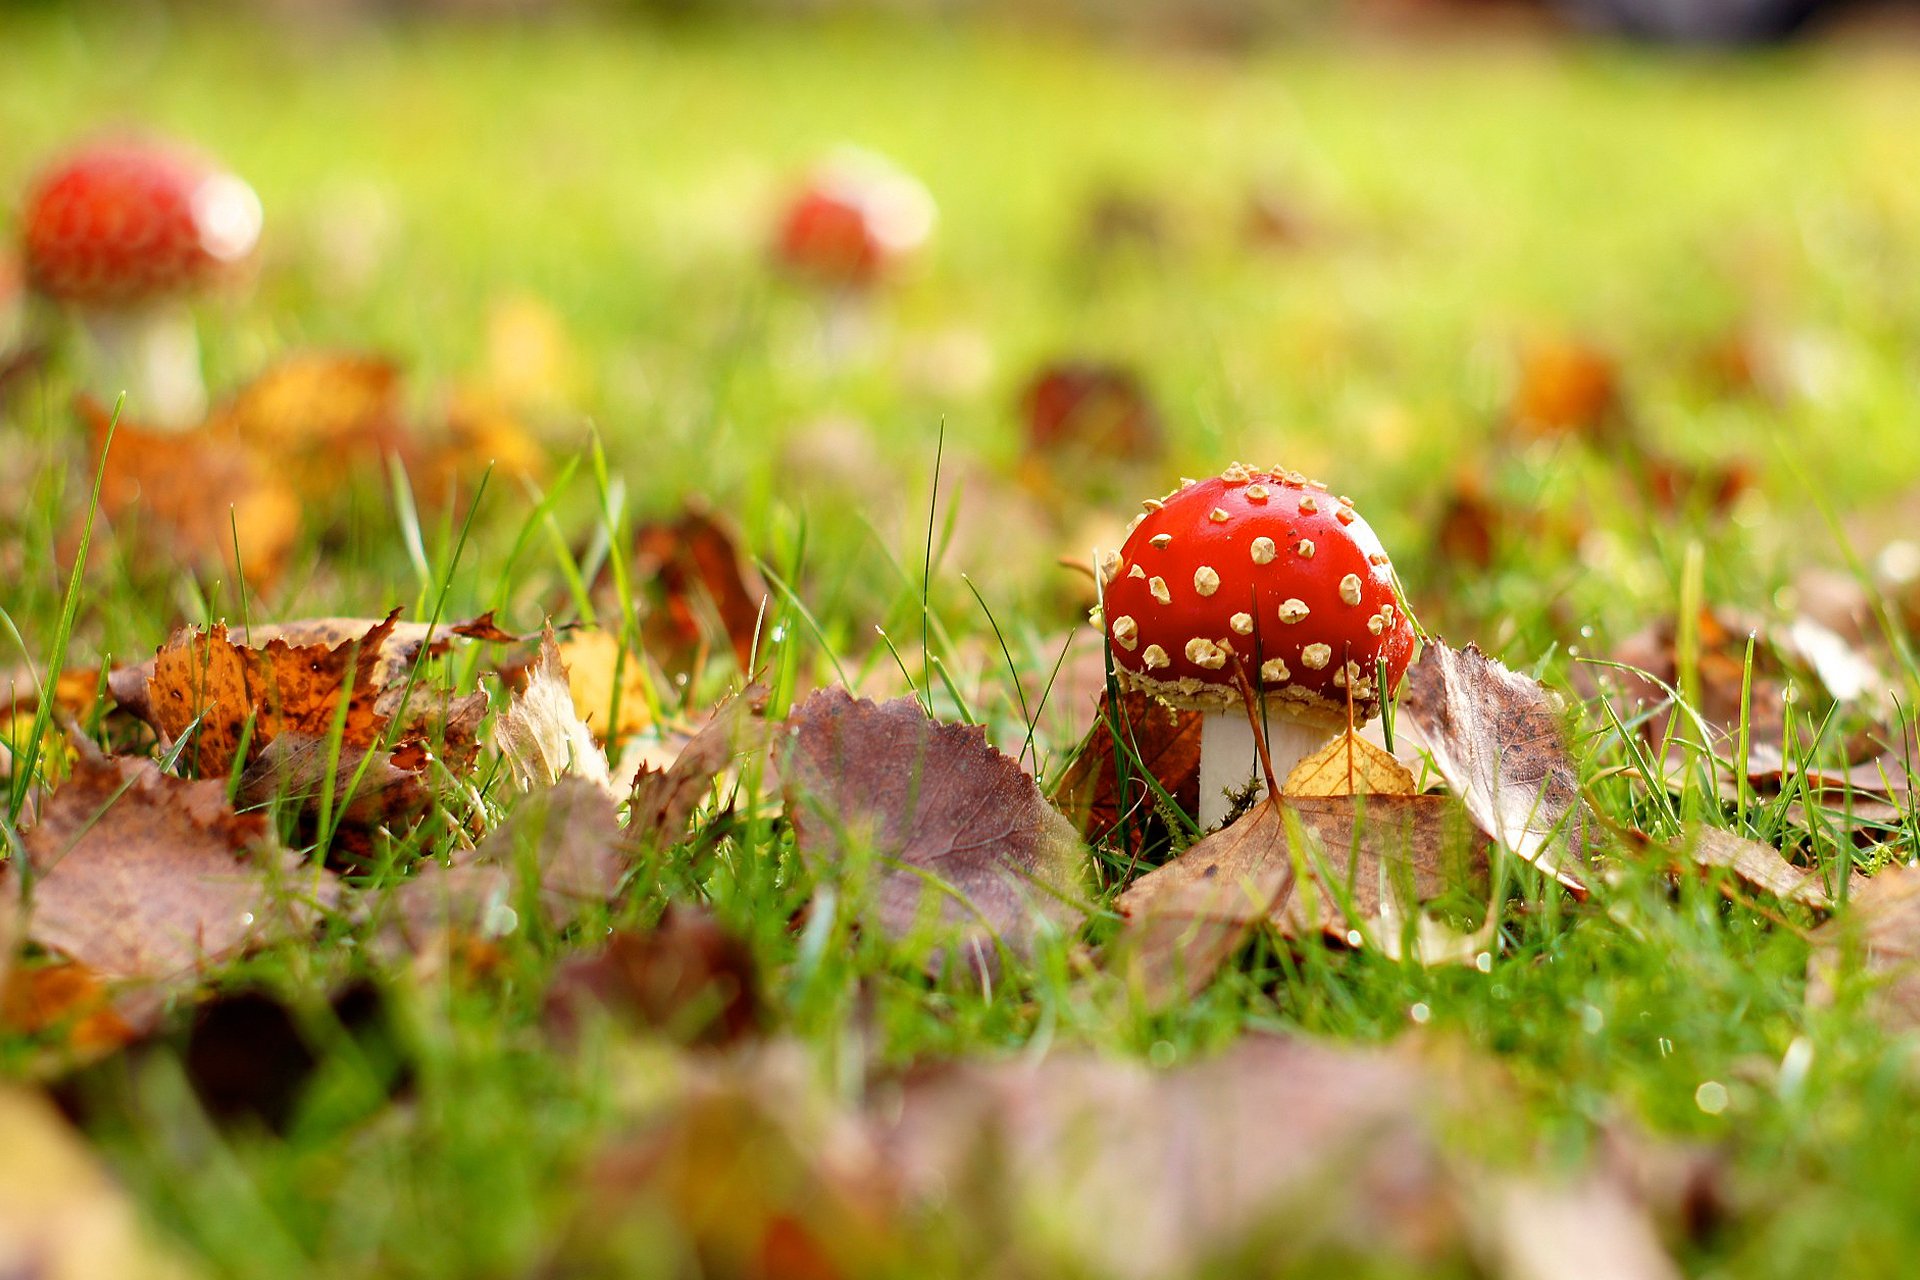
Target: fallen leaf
x=1877 y=937
x=1165 y=741
x=531 y=359
x=61 y=1216
x=749 y=1170
x=226 y=693
x=140 y=875
x=67 y=1004
x=76 y=691
x=314 y=415
x=541 y=735
x=1273 y=1150
x=561 y=850
x=1759 y=865
x=961 y=833
x=480 y=434
x=1567 y=388
x=1349 y=765
x=599 y=667
x=1359 y=874
x=687 y=977
x=1499 y=741
x=191 y=498
x=664 y=799
x=1580 y=1229
x=691 y=569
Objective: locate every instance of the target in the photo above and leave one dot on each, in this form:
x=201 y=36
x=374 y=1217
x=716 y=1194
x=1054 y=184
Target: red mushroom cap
x=124 y=223
x=1077 y=406
x=857 y=217
x=1267 y=565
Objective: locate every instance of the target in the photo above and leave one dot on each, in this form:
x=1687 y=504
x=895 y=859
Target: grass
x=1471 y=198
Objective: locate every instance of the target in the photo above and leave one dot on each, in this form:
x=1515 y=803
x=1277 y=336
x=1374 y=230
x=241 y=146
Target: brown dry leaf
x=1568 y=388
x=395 y=647
x=562 y=848
x=749 y=1171
x=598 y=667
x=480 y=434
x=962 y=834
x=1759 y=865
x=692 y=570
x=193 y=495
x=1499 y=741
x=1275 y=1149
x=61 y=1216
x=1167 y=744
x=68 y=1004
x=75 y=692
x=1877 y=935
x=542 y=736
x=1349 y=765
x=664 y=799
x=1358 y=875
x=313 y=415
x=142 y=875
x=687 y=976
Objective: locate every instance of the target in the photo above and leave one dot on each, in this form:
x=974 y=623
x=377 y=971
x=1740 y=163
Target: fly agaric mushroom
x=857 y=218
x=1085 y=409
x=121 y=234
x=1270 y=567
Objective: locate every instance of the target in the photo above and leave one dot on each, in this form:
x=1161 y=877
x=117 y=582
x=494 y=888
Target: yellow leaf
x=593 y=657
x=1349 y=765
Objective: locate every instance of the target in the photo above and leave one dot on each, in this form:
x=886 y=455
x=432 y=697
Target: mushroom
x=1089 y=408
x=121 y=235
x=1271 y=568
x=857 y=218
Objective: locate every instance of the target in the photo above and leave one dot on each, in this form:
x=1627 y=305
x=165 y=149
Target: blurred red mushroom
x=120 y=235
x=1269 y=568
x=857 y=218
x=1088 y=409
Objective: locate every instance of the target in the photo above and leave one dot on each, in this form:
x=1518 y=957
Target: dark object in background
x=248 y=1056
x=1695 y=22
x=1089 y=408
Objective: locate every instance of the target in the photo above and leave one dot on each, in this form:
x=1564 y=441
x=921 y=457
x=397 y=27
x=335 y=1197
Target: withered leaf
x=1759 y=865
x=1877 y=935
x=61 y=1216
x=687 y=976
x=664 y=799
x=1363 y=867
x=1498 y=739
x=1348 y=765
x=561 y=849
x=598 y=669
x=1568 y=388
x=194 y=495
x=542 y=736
x=142 y=875
x=1533 y=1229
x=314 y=413
x=1167 y=744
x=69 y=1004
x=963 y=834
x=1273 y=1149
x=281 y=688
x=694 y=571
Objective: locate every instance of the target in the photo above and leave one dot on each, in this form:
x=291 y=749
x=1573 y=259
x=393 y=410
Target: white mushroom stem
x=1229 y=759
x=150 y=352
